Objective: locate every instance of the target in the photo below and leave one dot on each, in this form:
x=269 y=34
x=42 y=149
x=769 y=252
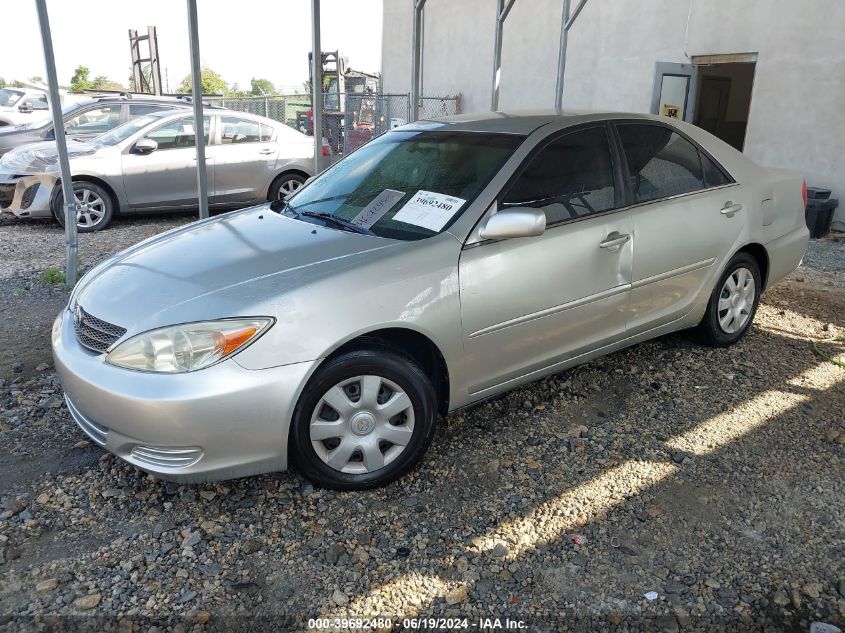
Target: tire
x=732 y=304
x=285 y=184
x=94 y=217
x=366 y=437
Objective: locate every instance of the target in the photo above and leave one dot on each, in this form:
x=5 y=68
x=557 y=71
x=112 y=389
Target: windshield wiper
x=328 y=218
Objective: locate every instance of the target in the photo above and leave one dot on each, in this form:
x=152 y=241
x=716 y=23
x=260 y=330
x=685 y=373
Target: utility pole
x=71 y=239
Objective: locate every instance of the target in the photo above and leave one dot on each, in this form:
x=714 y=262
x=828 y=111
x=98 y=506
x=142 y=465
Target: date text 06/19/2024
x=419 y=624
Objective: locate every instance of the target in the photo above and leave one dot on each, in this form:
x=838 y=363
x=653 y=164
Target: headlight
x=188 y=347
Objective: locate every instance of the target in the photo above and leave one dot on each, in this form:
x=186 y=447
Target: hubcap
x=288 y=187
x=90 y=208
x=362 y=424
x=736 y=300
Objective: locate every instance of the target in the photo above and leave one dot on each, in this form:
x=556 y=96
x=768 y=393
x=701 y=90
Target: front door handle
x=614 y=240
x=730 y=208
x=266 y=151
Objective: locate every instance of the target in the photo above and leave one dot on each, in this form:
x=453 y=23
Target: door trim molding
x=673 y=273
x=610 y=292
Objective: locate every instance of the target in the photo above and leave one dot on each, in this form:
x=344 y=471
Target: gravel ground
x=710 y=477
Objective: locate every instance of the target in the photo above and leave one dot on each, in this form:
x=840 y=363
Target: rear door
x=687 y=216
x=529 y=303
x=166 y=177
x=244 y=158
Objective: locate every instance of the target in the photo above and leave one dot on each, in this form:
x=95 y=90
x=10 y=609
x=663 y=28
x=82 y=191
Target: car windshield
x=407 y=185
x=9 y=97
x=123 y=132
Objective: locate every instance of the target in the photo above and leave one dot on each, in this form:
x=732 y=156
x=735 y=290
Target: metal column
x=566 y=22
x=199 y=128
x=502 y=9
x=58 y=125
x=416 y=59
x=317 y=86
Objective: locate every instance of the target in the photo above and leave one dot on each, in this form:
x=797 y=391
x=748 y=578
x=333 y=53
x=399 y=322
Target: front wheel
x=94 y=207
x=733 y=303
x=365 y=419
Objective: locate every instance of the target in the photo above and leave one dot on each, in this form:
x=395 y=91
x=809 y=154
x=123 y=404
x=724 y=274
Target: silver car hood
x=35 y=158
x=233 y=265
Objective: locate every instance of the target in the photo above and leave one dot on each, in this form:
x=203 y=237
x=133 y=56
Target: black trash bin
x=819 y=211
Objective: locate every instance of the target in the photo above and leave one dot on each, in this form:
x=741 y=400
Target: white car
x=22 y=105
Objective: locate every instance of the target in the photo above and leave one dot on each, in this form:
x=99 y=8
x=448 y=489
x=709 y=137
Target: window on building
x=661 y=163
x=569 y=178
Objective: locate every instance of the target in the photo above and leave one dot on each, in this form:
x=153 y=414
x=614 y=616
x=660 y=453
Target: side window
x=661 y=163
x=570 y=178
x=140 y=109
x=266 y=132
x=234 y=130
x=713 y=175
x=178 y=134
x=38 y=102
x=94 y=120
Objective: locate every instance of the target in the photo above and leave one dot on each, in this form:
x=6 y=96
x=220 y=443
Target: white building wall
x=797 y=116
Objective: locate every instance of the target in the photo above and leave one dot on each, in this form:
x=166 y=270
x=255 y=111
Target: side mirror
x=25 y=108
x=308 y=180
x=144 y=146
x=514 y=222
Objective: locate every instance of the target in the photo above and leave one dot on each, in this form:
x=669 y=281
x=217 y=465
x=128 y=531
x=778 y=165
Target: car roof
x=521 y=122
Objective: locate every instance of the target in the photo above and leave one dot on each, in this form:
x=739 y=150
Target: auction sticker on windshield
x=429 y=210
x=380 y=205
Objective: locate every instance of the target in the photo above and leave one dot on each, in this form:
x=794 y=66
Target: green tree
x=80 y=81
x=262 y=87
x=101 y=82
x=210 y=83
x=37 y=79
x=2 y=83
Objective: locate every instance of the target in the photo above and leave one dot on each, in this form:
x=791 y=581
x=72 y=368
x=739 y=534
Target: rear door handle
x=266 y=151
x=614 y=240
x=730 y=208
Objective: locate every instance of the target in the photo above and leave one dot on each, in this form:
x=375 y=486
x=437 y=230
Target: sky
x=240 y=39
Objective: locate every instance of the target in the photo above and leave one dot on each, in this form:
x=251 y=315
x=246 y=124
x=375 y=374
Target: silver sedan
x=149 y=164
x=441 y=264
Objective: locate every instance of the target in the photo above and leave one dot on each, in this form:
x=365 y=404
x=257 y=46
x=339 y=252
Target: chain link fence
x=349 y=120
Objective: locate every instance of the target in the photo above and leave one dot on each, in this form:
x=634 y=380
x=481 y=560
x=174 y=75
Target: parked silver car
x=441 y=264
x=149 y=164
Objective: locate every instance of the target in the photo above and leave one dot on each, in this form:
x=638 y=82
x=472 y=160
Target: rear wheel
x=284 y=186
x=365 y=419
x=94 y=207
x=733 y=303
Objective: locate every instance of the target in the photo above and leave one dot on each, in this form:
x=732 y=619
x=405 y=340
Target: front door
x=530 y=303
x=687 y=217
x=674 y=93
x=166 y=177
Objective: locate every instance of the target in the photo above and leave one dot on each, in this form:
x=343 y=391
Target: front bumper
x=217 y=423
x=27 y=196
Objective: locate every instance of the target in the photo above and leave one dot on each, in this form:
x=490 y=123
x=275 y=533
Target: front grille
x=167 y=457
x=96 y=432
x=94 y=333
x=7 y=193
x=29 y=195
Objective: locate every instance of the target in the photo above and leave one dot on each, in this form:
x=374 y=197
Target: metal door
x=675 y=90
